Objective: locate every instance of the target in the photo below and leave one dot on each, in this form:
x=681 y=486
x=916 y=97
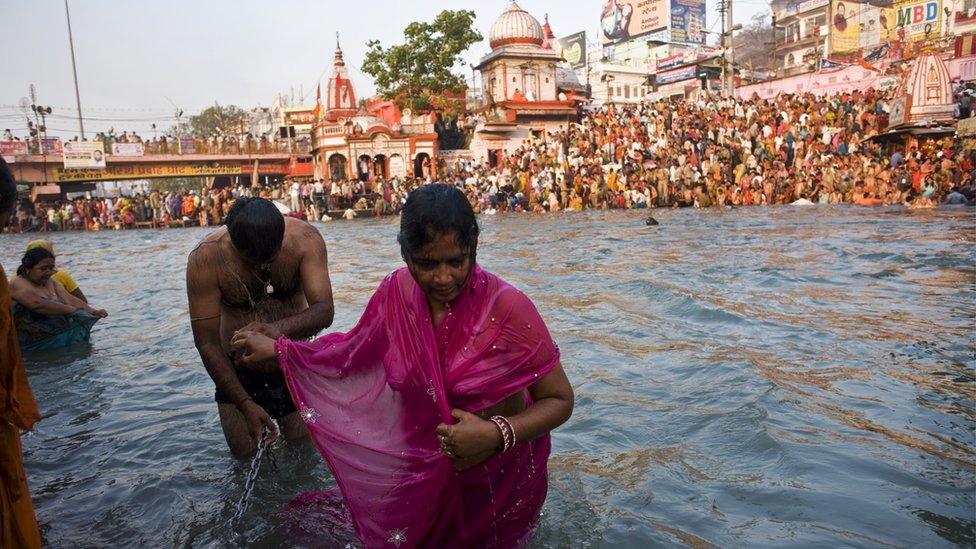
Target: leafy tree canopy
x=417 y=73
x=219 y=120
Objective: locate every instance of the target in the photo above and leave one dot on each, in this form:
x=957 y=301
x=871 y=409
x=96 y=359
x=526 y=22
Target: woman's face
x=41 y=273
x=441 y=268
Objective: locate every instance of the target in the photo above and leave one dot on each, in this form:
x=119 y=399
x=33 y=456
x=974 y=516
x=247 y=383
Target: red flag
x=318 y=100
x=868 y=65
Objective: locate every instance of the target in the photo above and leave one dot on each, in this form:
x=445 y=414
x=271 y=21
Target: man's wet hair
x=8 y=188
x=433 y=210
x=256 y=228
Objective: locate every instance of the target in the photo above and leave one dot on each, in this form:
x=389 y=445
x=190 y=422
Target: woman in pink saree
x=434 y=412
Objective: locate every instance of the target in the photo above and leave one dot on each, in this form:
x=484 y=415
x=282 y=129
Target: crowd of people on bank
x=795 y=149
x=168 y=143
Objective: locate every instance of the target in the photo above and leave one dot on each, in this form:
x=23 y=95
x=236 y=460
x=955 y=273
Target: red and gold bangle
x=508 y=433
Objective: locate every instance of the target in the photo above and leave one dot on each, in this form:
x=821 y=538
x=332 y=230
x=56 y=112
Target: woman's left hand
x=255 y=348
x=471 y=436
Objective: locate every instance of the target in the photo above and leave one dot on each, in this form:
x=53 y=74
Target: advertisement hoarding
x=128 y=149
x=916 y=19
x=301 y=117
x=670 y=62
x=51 y=145
x=676 y=75
x=858 y=26
x=573 y=49
x=188 y=145
x=688 y=21
x=83 y=154
x=622 y=20
x=153 y=171
x=12 y=148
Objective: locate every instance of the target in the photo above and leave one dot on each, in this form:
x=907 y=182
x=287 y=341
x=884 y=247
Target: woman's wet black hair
x=8 y=188
x=437 y=209
x=31 y=259
x=256 y=228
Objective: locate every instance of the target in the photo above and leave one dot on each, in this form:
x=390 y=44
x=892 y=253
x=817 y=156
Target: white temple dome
x=515 y=26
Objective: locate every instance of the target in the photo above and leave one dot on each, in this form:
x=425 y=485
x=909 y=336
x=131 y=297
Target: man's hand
x=257 y=350
x=262 y=328
x=257 y=420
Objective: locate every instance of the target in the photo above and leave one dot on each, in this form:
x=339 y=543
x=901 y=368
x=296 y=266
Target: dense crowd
x=791 y=150
x=246 y=143
x=725 y=153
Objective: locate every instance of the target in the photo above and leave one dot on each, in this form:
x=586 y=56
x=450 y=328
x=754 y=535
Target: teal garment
x=37 y=331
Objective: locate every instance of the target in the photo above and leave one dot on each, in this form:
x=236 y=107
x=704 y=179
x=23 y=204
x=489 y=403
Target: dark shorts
x=268 y=390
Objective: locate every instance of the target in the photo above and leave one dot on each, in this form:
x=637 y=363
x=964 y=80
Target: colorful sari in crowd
x=373 y=397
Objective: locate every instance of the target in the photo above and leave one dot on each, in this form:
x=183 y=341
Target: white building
x=529 y=88
x=805 y=34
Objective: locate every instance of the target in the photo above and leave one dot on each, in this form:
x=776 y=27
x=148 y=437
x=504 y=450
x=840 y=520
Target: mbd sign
x=919 y=19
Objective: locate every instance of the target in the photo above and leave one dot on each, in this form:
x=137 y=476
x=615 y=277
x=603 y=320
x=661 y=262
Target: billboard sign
x=128 y=149
x=858 y=26
x=188 y=145
x=677 y=75
x=300 y=117
x=688 y=21
x=13 y=148
x=670 y=62
x=83 y=154
x=916 y=20
x=573 y=49
x=51 y=145
x=622 y=20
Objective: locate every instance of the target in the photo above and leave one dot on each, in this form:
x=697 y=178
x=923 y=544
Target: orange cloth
x=18 y=410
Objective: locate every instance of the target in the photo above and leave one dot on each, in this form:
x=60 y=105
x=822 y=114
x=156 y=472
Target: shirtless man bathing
x=262 y=272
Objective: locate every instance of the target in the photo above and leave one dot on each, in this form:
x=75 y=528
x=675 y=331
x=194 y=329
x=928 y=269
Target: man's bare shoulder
x=302 y=234
x=204 y=253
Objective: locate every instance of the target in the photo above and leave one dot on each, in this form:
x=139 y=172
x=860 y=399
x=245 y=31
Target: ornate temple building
x=529 y=88
x=925 y=93
x=353 y=142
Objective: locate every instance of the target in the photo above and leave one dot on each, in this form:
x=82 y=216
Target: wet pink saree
x=373 y=397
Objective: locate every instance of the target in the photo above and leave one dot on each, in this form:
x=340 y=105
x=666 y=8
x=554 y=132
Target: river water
x=750 y=377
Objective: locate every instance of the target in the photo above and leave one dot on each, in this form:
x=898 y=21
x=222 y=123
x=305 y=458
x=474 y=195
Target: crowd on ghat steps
x=793 y=149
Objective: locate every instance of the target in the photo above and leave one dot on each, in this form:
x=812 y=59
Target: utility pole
x=74 y=69
x=722 y=45
x=730 y=28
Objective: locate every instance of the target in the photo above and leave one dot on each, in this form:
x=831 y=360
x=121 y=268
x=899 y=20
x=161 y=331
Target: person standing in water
x=434 y=412
x=18 y=409
x=264 y=273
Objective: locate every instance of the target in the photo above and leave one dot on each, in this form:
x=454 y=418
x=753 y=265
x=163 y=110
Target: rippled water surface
x=755 y=377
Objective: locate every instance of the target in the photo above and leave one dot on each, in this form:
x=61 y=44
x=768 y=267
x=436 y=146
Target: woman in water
x=434 y=412
x=46 y=314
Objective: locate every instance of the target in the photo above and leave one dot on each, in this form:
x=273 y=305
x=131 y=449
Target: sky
x=138 y=60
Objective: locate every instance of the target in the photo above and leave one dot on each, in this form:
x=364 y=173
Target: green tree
x=417 y=73
x=178 y=184
x=229 y=120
